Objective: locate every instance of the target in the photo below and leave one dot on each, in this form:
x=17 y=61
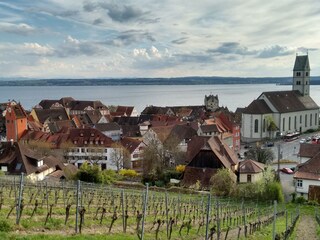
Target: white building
x=288 y=111
x=307 y=174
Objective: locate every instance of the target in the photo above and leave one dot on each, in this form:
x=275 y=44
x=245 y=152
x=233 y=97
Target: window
x=307 y=74
x=298 y=82
x=305 y=120
x=18 y=166
x=289 y=123
x=298 y=74
x=315 y=119
x=295 y=122
x=300 y=119
x=106 y=150
x=256 y=125
x=40 y=163
x=264 y=125
x=306 y=82
x=249 y=178
x=299 y=183
x=310 y=119
x=105 y=158
x=283 y=123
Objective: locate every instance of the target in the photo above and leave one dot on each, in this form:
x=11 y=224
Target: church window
x=300 y=119
x=264 y=125
x=289 y=123
x=310 y=119
x=307 y=74
x=283 y=123
x=298 y=74
x=295 y=122
x=305 y=120
x=315 y=119
x=256 y=125
x=306 y=82
x=298 y=82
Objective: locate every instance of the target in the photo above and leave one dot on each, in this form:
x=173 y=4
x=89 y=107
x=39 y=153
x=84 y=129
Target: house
x=73 y=106
x=307 y=174
x=250 y=171
x=111 y=130
x=289 y=111
x=307 y=151
x=16 y=158
x=205 y=156
x=89 y=145
x=135 y=148
x=126 y=111
x=46 y=117
x=16 y=121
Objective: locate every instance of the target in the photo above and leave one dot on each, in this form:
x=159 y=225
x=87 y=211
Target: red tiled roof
x=309 y=169
x=250 y=166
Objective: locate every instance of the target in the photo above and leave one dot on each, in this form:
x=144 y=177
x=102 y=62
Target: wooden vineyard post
x=218 y=221
x=18 y=207
x=167 y=217
x=122 y=207
x=274 y=220
x=77 y=206
x=145 y=203
x=208 y=215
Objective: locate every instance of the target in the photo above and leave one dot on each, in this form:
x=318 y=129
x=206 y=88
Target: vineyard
x=68 y=208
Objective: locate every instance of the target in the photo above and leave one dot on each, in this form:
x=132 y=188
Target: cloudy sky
x=157 y=38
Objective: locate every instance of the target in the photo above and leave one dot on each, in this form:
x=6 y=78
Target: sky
x=157 y=38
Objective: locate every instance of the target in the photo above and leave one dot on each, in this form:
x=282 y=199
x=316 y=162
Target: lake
x=230 y=95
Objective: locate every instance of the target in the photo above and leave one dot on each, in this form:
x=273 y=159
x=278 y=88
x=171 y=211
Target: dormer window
x=101 y=142
x=81 y=134
x=75 y=142
x=92 y=134
x=85 y=142
x=40 y=163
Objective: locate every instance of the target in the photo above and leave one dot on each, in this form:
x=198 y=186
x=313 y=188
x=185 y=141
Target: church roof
x=301 y=63
x=289 y=101
x=258 y=106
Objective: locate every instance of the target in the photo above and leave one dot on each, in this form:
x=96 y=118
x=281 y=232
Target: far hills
x=149 y=81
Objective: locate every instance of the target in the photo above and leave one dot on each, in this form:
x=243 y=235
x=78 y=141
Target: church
x=275 y=114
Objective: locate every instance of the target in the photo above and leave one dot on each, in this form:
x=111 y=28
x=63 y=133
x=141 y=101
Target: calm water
x=232 y=96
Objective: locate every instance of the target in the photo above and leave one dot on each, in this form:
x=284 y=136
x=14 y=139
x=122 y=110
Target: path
x=306 y=228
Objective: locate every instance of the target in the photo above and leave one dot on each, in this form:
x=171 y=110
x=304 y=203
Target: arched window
x=289 y=123
x=283 y=124
x=310 y=119
x=256 y=125
x=306 y=120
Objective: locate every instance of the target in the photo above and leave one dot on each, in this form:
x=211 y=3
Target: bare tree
x=120 y=156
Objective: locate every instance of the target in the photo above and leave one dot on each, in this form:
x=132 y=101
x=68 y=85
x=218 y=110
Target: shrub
x=273 y=191
x=5 y=226
x=222 y=182
x=128 y=173
x=300 y=200
x=180 y=168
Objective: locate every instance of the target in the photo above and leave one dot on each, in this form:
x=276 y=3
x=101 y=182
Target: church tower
x=301 y=75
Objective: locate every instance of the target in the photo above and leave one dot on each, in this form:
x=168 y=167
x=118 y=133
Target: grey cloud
x=275 y=51
x=232 y=48
x=180 y=40
x=97 y=21
x=20 y=29
x=89 y=6
x=118 y=13
x=132 y=36
x=73 y=47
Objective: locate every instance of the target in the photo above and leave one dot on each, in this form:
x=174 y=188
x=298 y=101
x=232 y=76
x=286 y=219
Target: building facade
x=275 y=114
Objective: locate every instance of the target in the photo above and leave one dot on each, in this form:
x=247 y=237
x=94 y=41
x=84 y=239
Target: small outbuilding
x=250 y=171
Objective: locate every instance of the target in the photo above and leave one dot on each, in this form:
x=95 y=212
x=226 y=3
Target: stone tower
x=211 y=102
x=301 y=75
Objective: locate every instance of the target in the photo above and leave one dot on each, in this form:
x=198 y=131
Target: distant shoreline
x=151 y=81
